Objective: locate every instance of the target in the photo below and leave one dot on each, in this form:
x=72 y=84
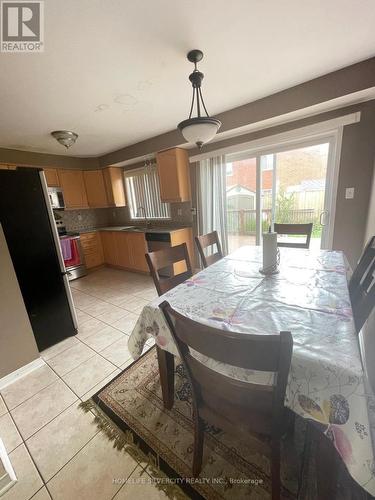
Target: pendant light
x=199 y=129
x=65 y=137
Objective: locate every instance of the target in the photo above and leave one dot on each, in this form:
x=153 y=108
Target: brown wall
x=28 y=158
x=17 y=342
x=356 y=170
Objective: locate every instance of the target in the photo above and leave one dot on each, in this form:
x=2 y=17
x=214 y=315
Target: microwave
x=56 y=198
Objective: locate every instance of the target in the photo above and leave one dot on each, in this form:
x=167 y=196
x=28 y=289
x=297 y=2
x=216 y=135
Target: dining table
x=309 y=297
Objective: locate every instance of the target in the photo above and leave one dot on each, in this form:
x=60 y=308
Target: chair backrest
x=207 y=240
x=163 y=260
x=270 y=353
x=362 y=285
x=294 y=230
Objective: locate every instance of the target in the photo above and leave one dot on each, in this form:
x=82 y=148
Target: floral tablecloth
x=310 y=298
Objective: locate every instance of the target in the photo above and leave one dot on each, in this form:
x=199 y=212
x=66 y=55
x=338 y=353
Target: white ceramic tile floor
x=57 y=451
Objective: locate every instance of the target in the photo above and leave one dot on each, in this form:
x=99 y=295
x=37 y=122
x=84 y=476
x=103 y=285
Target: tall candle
x=269 y=251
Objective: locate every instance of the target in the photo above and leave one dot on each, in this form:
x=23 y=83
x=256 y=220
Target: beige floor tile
x=94 y=468
x=37 y=411
x=42 y=495
x=101 y=308
x=71 y=358
x=91 y=326
x=147 y=294
x=120 y=298
x=88 y=374
x=54 y=445
x=9 y=433
x=112 y=317
x=3 y=408
x=58 y=348
x=27 y=386
x=139 y=485
x=134 y=304
x=118 y=352
x=83 y=300
x=127 y=323
x=28 y=479
x=127 y=363
x=101 y=384
x=82 y=317
x=100 y=340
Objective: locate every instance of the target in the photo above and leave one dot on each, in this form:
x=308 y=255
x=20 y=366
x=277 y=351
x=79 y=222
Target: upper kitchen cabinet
x=95 y=188
x=114 y=184
x=174 y=178
x=52 y=177
x=73 y=185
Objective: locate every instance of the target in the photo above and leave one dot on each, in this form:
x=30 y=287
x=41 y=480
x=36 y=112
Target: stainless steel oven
x=73 y=256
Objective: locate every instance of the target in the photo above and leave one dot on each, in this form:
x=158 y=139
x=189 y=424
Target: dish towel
x=75 y=258
x=66 y=248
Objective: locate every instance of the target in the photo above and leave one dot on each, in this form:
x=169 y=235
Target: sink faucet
x=147 y=222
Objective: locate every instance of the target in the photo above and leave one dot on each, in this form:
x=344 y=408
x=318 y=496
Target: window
x=229 y=168
x=143 y=192
x=266 y=162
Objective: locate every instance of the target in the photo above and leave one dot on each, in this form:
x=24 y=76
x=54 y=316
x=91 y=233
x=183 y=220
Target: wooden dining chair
x=161 y=265
x=239 y=407
x=162 y=269
x=362 y=285
x=208 y=240
x=294 y=230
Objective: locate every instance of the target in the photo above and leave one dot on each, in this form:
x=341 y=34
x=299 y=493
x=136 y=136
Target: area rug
x=130 y=411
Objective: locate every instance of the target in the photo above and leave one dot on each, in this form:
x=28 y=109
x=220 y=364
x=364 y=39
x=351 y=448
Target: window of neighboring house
x=143 y=194
x=266 y=162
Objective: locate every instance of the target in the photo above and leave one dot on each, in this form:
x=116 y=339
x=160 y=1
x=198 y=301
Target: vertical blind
x=142 y=186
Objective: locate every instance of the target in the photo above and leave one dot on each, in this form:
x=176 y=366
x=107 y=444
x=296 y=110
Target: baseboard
x=21 y=372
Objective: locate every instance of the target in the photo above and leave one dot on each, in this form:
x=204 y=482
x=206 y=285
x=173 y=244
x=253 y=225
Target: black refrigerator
x=31 y=235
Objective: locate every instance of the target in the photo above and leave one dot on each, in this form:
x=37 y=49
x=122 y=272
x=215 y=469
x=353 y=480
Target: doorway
x=289 y=185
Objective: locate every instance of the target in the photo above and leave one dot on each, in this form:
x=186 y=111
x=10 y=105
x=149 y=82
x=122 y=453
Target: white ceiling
x=115 y=71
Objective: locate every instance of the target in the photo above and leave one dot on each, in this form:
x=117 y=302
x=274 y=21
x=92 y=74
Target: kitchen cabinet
x=95 y=188
x=137 y=248
x=52 y=177
x=114 y=185
x=73 y=186
x=4 y=166
x=125 y=249
x=92 y=249
x=110 y=247
x=177 y=238
x=174 y=178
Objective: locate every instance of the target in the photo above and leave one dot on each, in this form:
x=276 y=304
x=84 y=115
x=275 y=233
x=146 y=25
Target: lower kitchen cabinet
x=92 y=249
x=110 y=247
x=125 y=249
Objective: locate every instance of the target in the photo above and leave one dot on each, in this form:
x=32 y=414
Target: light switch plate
x=349 y=193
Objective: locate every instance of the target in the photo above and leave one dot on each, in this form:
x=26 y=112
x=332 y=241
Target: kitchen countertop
x=132 y=229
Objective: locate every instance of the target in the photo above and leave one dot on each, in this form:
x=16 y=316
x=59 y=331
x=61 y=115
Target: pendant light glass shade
x=199 y=129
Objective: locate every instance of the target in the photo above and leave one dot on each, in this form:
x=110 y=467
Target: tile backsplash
x=76 y=220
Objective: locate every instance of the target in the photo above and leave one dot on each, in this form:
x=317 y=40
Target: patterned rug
x=130 y=410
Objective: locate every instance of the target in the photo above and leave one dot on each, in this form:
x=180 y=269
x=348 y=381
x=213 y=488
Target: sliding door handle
x=322 y=221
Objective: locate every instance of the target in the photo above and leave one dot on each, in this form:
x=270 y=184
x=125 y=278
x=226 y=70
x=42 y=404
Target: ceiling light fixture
x=65 y=137
x=199 y=129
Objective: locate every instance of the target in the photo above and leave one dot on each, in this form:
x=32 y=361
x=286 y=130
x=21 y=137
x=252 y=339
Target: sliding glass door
x=288 y=185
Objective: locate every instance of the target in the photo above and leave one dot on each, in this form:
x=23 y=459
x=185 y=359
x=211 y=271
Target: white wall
x=17 y=342
x=370 y=228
